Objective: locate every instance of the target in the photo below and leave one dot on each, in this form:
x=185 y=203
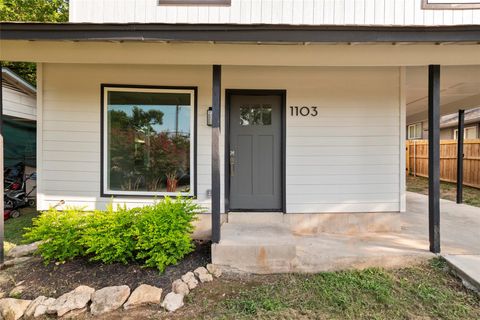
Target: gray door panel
x=255 y=140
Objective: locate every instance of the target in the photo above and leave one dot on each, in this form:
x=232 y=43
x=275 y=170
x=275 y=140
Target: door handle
x=232 y=163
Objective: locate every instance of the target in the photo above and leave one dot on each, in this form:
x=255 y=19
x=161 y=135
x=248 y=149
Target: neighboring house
x=295 y=109
x=448 y=127
x=19 y=119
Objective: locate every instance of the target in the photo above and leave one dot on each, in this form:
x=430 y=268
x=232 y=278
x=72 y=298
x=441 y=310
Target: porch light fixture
x=209 y=117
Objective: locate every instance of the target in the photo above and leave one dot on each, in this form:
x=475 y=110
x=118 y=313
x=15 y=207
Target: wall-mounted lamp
x=209 y=117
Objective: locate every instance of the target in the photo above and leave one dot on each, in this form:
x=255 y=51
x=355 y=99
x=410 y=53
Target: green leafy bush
x=60 y=232
x=157 y=235
x=109 y=236
x=164 y=232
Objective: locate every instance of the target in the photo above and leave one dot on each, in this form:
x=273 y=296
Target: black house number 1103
x=296 y=111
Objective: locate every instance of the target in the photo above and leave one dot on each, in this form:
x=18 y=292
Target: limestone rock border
x=81 y=298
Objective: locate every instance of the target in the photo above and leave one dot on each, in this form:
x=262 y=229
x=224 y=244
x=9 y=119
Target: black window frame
x=139 y=194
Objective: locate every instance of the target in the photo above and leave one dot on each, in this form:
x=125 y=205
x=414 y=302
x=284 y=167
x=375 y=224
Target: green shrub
x=164 y=231
x=158 y=235
x=109 y=236
x=60 y=232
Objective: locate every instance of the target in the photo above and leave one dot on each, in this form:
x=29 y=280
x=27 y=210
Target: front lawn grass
x=14 y=227
x=426 y=291
x=448 y=191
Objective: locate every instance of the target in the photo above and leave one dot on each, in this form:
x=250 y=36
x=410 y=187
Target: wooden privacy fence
x=417 y=160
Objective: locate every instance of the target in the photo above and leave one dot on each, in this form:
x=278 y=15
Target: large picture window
x=148 y=141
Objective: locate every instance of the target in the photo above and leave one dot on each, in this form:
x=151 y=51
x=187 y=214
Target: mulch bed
x=54 y=280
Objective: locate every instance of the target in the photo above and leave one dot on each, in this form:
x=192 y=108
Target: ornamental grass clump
x=157 y=235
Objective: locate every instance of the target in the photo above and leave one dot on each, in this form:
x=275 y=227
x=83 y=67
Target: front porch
x=276 y=247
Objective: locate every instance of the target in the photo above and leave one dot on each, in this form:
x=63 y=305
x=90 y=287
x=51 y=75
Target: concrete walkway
x=467 y=267
x=273 y=248
x=459 y=225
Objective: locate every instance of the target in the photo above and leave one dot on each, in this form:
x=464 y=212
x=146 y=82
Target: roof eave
x=17 y=80
x=237 y=33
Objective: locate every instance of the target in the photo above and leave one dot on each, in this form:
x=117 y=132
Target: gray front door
x=255 y=155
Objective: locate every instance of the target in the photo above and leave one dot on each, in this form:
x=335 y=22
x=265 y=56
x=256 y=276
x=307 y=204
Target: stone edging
x=84 y=298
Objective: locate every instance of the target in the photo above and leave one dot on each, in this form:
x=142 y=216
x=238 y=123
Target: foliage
x=164 y=232
x=157 y=235
x=140 y=120
x=141 y=158
x=15 y=228
x=60 y=232
x=425 y=291
x=26 y=70
x=34 y=10
x=109 y=236
x=31 y=11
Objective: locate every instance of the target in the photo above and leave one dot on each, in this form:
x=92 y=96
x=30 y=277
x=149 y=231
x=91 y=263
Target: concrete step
x=316 y=223
x=262 y=259
x=274 y=248
x=256 y=248
x=255 y=217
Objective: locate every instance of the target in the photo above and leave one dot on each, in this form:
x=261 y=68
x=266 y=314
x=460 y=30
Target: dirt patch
x=54 y=280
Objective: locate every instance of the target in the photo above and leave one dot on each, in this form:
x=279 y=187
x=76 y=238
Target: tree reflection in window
x=149 y=141
x=256 y=115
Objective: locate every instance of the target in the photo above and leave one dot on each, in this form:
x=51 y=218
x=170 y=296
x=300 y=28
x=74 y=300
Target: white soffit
x=459 y=85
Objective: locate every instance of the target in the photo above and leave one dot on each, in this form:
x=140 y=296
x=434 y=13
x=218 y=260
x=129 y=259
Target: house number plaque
x=303 y=111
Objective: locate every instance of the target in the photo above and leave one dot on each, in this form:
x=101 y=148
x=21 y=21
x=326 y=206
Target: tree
x=34 y=10
x=31 y=11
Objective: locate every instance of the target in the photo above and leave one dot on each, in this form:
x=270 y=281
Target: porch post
x=216 y=101
x=434 y=157
x=1 y=165
x=461 y=125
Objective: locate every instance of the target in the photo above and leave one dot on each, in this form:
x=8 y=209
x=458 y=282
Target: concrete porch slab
x=276 y=248
x=267 y=249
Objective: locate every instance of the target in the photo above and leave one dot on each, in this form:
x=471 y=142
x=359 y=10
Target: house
x=263 y=111
x=448 y=127
x=19 y=119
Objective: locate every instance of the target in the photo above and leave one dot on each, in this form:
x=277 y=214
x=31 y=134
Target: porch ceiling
x=460 y=89
x=238 y=44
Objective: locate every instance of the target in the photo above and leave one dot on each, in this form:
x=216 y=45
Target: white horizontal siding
x=346 y=159
x=70 y=144
x=18 y=104
x=341 y=179
x=338 y=12
x=336 y=189
x=346 y=207
x=350 y=198
x=69 y=166
x=303 y=158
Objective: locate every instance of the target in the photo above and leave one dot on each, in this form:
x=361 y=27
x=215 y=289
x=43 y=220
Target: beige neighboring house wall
x=19 y=98
x=19 y=102
x=448 y=126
